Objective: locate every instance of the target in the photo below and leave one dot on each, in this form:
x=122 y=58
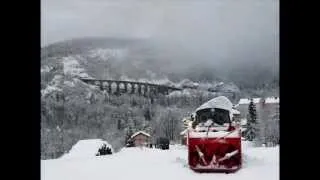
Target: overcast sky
x=242 y=28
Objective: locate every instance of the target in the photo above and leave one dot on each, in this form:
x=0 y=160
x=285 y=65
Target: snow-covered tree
x=252 y=130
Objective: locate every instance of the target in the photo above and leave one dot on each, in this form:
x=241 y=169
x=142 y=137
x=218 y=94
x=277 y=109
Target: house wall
x=141 y=140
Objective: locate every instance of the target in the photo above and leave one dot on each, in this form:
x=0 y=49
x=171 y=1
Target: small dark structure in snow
x=130 y=143
x=162 y=143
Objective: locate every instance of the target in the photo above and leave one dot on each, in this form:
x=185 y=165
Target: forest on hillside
x=75 y=114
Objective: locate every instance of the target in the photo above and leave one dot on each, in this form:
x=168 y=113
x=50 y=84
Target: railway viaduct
x=131 y=87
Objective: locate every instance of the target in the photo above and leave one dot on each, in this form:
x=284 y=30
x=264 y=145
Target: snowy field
x=146 y=164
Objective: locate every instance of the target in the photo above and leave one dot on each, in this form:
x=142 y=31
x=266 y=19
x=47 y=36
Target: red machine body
x=214 y=148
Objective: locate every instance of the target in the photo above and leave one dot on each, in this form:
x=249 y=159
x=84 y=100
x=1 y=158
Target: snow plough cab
x=214 y=142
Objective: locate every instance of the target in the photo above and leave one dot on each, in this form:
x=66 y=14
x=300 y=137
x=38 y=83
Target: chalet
x=140 y=138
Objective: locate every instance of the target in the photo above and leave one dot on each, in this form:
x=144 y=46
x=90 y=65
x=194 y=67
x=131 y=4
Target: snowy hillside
x=145 y=164
x=110 y=58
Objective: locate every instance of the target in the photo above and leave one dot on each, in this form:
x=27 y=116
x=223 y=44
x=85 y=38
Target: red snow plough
x=214 y=142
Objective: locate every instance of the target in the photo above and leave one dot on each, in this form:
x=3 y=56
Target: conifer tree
x=251 y=132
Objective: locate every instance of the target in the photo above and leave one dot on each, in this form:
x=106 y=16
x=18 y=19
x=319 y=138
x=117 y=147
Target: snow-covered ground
x=145 y=164
x=86 y=148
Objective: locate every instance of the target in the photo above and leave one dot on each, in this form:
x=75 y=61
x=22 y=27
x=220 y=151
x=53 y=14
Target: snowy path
x=146 y=164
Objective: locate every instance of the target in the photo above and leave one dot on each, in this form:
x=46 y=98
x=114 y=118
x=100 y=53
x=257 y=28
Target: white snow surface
x=86 y=149
x=144 y=164
x=220 y=102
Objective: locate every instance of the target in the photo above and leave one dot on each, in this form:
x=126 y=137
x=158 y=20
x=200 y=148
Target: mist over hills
x=134 y=59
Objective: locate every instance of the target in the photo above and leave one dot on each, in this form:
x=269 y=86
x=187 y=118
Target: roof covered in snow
x=220 y=102
x=140 y=132
x=268 y=100
x=272 y=100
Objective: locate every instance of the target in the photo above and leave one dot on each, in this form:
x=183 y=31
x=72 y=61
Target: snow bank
x=145 y=164
x=86 y=148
